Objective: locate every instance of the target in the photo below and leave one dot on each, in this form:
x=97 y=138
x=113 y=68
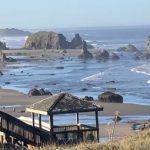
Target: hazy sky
x=73 y=13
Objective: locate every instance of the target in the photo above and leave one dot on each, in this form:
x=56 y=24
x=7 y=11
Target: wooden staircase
x=22 y=132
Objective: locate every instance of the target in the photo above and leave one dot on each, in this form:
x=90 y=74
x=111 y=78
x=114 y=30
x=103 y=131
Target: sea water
x=87 y=78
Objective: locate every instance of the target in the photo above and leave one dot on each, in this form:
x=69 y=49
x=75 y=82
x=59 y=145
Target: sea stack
x=85 y=54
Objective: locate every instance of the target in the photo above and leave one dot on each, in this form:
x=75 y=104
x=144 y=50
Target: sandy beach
x=11 y=97
x=20 y=101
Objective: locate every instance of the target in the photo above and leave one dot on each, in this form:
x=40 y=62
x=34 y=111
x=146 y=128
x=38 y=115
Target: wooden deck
x=22 y=132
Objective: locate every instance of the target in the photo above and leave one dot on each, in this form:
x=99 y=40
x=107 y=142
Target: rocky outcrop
x=52 y=40
x=85 y=54
x=105 y=55
x=3 y=46
x=88 y=98
x=129 y=48
x=110 y=97
x=1 y=73
x=46 y=40
x=76 y=42
x=38 y=92
x=113 y=56
x=102 y=55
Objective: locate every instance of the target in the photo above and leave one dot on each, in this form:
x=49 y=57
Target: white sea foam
x=148 y=81
x=94 y=77
x=14 y=42
x=143 y=69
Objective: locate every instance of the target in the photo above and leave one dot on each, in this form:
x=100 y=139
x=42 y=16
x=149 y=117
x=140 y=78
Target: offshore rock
x=114 y=56
x=109 y=97
x=85 y=54
x=129 y=48
x=102 y=55
x=76 y=42
x=38 y=92
x=52 y=40
x=88 y=98
x=46 y=40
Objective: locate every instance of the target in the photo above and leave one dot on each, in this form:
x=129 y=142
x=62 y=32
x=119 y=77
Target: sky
x=34 y=14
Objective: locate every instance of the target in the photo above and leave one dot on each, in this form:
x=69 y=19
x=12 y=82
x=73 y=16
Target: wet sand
x=11 y=97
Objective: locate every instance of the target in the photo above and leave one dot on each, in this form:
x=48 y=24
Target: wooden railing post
x=97 y=124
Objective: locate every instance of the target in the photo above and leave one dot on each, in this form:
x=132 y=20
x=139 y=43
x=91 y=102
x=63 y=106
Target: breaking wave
x=94 y=77
x=143 y=69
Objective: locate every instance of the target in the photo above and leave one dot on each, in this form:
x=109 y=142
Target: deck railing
x=28 y=134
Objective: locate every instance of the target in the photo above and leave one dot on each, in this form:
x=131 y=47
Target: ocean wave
x=94 y=77
x=148 y=81
x=143 y=69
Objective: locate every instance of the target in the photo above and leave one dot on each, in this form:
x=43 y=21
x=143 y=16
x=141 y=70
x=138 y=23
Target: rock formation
x=46 y=40
x=129 y=48
x=52 y=40
x=76 y=42
x=105 y=55
x=113 y=56
x=3 y=46
x=85 y=54
x=102 y=55
x=110 y=97
x=38 y=92
x=88 y=98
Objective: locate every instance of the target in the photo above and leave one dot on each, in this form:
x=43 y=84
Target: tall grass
x=139 y=141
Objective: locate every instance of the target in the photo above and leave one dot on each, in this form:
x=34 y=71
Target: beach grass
x=139 y=141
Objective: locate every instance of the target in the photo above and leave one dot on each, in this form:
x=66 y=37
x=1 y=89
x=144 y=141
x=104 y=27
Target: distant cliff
x=52 y=40
x=13 y=32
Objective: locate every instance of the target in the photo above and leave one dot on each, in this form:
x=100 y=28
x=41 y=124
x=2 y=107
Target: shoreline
x=12 y=97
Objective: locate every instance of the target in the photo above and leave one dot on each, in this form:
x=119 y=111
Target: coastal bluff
x=52 y=40
x=13 y=32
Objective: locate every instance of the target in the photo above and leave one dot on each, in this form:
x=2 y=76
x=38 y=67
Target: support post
x=33 y=122
x=51 y=127
x=97 y=124
x=78 y=128
x=77 y=118
x=40 y=123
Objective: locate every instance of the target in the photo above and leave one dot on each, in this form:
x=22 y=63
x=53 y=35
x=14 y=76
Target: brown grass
x=139 y=141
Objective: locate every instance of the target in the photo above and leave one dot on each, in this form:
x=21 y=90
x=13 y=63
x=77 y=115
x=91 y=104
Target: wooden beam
x=74 y=131
x=76 y=110
x=36 y=111
x=51 y=123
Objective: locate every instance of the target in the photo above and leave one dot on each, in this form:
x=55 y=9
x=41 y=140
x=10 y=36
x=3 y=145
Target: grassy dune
x=139 y=141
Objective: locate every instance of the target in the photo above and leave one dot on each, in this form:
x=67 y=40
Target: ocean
x=87 y=78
